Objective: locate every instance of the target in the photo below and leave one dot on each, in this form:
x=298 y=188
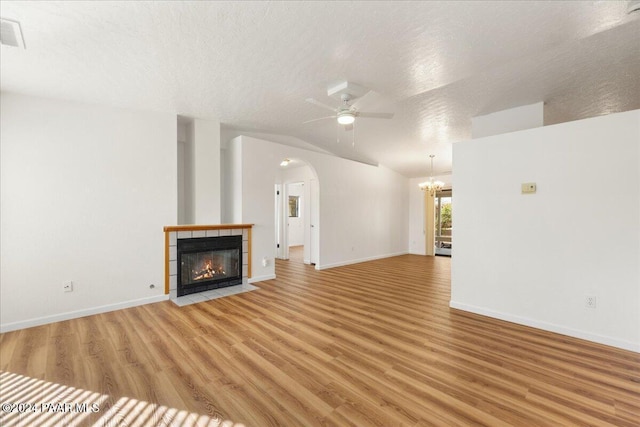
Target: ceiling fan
x=347 y=112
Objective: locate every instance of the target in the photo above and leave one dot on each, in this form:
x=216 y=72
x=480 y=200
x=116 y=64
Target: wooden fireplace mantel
x=193 y=227
x=168 y=229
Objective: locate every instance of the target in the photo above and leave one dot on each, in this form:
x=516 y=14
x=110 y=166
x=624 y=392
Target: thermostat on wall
x=528 y=187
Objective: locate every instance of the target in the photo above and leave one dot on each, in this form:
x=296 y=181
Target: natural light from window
x=36 y=403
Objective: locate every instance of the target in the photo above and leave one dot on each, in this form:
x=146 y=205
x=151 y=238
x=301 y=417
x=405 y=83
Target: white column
x=206 y=174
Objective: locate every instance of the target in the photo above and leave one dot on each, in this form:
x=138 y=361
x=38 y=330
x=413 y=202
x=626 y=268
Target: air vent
x=11 y=33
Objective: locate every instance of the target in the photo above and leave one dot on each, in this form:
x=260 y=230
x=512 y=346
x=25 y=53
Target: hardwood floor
x=372 y=344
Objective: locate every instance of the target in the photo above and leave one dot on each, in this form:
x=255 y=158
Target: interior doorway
x=296 y=206
x=443 y=223
x=297 y=213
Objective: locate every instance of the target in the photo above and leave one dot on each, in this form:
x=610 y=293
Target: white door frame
x=311 y=219
x=314 y=224
x=282 y=247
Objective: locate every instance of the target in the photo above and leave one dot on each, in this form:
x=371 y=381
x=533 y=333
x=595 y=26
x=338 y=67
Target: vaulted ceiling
x=251 y=65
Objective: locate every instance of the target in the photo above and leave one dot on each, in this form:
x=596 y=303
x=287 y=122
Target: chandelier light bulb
x=432 y=186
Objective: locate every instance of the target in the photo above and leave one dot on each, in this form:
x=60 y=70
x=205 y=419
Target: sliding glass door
x=443 y=223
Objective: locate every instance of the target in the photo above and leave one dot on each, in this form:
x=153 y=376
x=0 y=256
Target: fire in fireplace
x=208 y=263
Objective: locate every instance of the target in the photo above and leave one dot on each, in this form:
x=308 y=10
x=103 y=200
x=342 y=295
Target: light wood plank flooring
x=372 y=344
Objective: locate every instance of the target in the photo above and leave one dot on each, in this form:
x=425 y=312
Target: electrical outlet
x=67 y=286
x=590 y=301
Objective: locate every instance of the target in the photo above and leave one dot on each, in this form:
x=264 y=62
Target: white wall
x=85 y=192
x=363 y=212
x=532 y=259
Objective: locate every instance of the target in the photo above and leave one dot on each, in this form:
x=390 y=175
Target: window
x=443 y=223
x=294 y=206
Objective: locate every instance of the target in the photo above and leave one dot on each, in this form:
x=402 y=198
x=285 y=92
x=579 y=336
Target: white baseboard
x=551 y=327
x=23 y=324
x=262 y=278
x=357 y=261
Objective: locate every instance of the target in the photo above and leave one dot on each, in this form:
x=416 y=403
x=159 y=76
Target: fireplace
x=207 y=263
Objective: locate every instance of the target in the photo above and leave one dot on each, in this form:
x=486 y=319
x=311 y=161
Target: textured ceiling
x=252 y=65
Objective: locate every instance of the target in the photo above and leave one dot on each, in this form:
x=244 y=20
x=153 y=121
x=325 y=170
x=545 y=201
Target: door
x=296 y=213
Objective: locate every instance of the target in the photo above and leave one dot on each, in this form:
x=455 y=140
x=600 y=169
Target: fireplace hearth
x=206 y=263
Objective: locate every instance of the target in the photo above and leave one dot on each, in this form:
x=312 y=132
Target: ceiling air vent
x=10 y=33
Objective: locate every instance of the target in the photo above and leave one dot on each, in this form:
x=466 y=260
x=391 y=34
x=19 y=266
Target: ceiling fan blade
x=374 y=115
x=368 y=97
x=320 y=104
x=321 y=118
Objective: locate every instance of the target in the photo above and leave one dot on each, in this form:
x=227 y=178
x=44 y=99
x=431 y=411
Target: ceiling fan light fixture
x=346 y=118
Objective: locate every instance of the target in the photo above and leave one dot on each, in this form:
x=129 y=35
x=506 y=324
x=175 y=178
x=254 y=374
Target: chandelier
x=431 y=186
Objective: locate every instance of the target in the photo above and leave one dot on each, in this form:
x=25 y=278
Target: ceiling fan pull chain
x=353 y=135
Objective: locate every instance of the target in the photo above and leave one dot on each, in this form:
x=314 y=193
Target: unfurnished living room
x=320 y=213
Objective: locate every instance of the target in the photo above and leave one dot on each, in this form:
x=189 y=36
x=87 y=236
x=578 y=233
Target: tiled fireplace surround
x=174 y=233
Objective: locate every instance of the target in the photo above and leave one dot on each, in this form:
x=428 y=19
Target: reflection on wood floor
x=372 y=344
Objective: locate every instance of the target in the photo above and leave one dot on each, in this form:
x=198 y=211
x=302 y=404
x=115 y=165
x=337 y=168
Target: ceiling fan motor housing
x=351 y=90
